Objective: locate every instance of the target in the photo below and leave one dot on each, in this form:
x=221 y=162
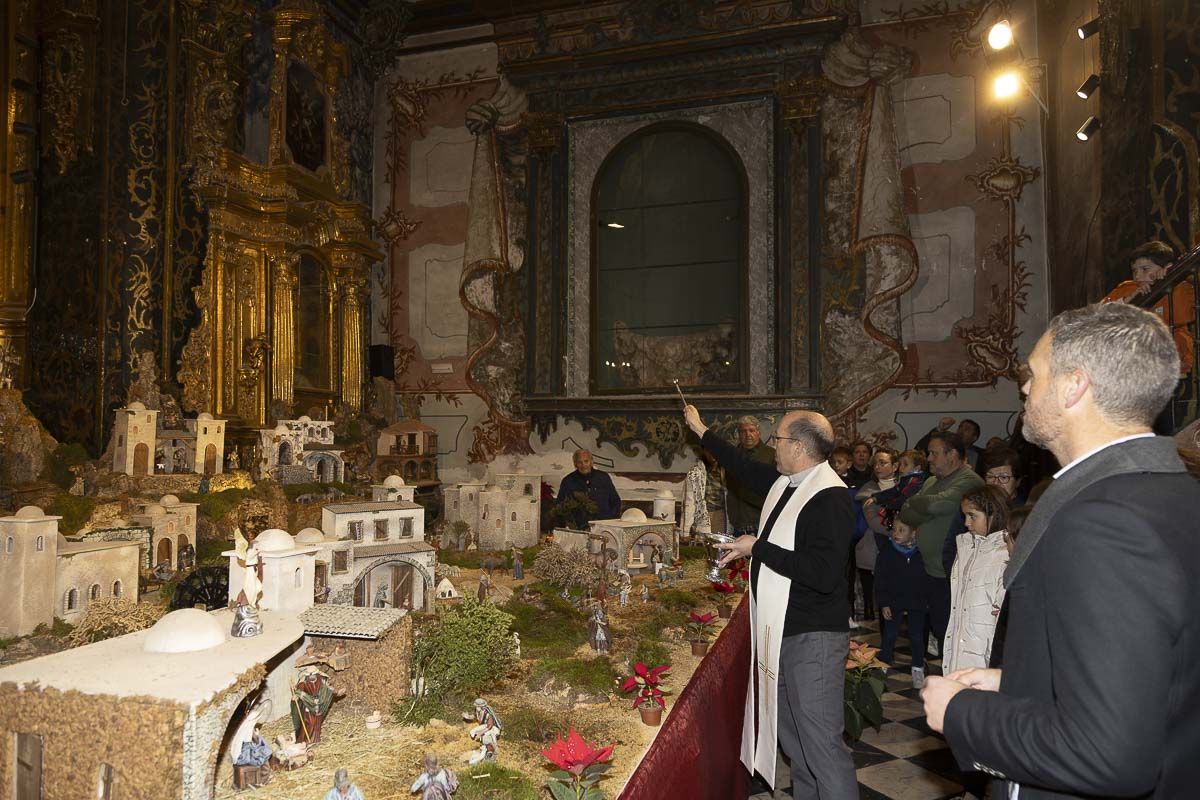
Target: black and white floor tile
x=904 y=759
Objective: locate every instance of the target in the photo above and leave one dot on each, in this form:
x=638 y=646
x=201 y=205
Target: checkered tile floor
x=904 y=759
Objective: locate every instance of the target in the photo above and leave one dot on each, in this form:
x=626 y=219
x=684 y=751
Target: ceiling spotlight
x=1089 y=28
x=1000 y=35
x=1087 y=87
x=1006 y=85
x=614 y=225
x=1088 y=129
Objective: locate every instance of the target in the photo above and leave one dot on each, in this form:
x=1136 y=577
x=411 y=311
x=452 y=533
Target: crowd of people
x=1059 y=604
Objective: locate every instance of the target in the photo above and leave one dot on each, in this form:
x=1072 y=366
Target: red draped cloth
x=696 y=753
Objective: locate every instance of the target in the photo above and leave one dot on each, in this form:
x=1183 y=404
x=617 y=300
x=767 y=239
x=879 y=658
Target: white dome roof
x=272 y=540
x=664 y=494
x=184 y=631
x=30 y=512
x=305 y=418
x=634 y=515
x=154 y=509
x=310 y=536
x=136 y=406
x=393 y=481
x=281 y=428
x=169 y=500
x=204 y=415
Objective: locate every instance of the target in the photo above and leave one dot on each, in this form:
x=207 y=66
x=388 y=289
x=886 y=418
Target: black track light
x=1087 y=87
x=1088 y=129
x=1089 y=28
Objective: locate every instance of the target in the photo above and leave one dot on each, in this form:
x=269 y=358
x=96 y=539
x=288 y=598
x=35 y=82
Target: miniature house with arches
x=47 y=575
x=375 y=554
x=502 y=515
x=299 y=451
x=173 y=526
x=628 y=542
x=409 y=448
x=140 y=447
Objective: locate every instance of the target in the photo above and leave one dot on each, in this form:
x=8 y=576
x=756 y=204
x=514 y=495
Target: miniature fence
x=696 y=752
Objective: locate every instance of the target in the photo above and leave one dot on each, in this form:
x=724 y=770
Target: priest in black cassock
x=798 y=607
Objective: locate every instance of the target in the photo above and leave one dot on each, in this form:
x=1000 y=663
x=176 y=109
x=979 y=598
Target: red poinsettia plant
x=580 y=768
x=724 y=587
x=739 y=575
x=648 y=683
x=699 y=626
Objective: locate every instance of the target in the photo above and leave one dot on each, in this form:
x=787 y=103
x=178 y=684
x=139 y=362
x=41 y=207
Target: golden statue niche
x=283 y=292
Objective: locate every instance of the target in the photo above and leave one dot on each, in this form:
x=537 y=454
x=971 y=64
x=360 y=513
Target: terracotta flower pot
x=725 y=611
x=699 y=648
x=651 y=716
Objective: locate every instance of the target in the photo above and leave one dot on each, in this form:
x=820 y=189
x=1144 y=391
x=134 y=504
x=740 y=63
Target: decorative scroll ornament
x=63 y=78
x=381 y=28
x=1005 y=178
x=394 y=226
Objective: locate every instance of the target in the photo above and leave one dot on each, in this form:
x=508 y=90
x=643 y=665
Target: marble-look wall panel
x=437 y=320
x=749 y=128
x=945 y=289
x=935 y=118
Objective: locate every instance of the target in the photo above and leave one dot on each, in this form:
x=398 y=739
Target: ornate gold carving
x=544 y=128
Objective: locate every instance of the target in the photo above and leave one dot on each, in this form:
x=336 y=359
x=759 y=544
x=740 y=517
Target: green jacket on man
x=742 y=504
x=937 y=506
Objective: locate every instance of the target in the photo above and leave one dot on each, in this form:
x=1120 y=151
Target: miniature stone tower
x=28 y=553
x=210 y=444
x=136 y=429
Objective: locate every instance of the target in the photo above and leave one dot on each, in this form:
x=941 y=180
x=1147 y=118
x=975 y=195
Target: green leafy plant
x=580 y=768
x=864 y=688
x=564 y=568
x=649 y=651
x=588 y=674
x=567 y=510
x=467 y=649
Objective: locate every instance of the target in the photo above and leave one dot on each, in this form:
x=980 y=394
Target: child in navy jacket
x=899 y=577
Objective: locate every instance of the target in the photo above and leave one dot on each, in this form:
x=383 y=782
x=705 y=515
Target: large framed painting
x=306 y=117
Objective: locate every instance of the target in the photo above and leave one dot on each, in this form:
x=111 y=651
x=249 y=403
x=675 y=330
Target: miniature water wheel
x=204 y=586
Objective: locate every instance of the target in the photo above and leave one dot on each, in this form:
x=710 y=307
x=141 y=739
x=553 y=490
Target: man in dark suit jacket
x=1101 y=677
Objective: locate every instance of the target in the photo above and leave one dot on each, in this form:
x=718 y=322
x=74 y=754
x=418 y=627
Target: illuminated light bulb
x=1006 y=86
x=1000 y=35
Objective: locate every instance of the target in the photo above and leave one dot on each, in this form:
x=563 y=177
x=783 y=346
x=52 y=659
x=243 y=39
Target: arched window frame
x=743 y=382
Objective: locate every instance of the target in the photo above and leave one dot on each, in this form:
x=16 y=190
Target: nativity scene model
x=312 y=308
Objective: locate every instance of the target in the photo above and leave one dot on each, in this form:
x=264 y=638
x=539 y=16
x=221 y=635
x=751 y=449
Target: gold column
x=352 y=293
x=18 y=192
x=283 y=353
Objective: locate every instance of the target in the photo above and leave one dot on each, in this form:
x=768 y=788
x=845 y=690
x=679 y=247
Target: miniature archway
x=141 y=459
x=164 y=552
x=640 y=551
x=285 y=454
x=210 y=460
x=360 y=582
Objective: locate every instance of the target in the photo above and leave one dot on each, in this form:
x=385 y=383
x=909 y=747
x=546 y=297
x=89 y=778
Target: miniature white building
x=179 y=684
x=46 y=575
x=507 y=514
x=410 y=448
x=664 y=506
x=173 y=523
x=446 y=590
x=393 y=488
x=142 y=448
x=628 y=541
x=374 y=553
x=209 y=452
x=288 y=572
x=300 y=450
x=136 y=429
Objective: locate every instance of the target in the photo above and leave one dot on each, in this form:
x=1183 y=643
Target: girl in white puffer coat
x=977 y=580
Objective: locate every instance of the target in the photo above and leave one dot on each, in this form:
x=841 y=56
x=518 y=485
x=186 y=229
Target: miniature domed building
x=633 y=515
x=393 y=481
x=188 y=630
x=310 y=536
x=274 y=540
x=664 y=505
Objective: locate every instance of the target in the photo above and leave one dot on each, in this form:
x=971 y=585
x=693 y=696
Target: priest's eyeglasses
x=774 y=438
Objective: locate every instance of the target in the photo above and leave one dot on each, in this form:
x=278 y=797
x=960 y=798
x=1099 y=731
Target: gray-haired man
x=742 y=503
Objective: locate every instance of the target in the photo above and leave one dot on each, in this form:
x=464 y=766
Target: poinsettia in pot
x=864 y=688
x=700 y=631
x=739 y=575
x=580 y=768
x=724 y=591
x=650 y=700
